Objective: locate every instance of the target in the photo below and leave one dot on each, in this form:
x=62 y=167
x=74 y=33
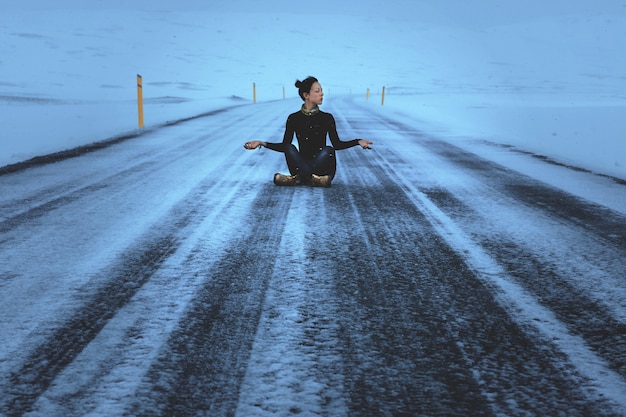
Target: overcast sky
x=465 y=12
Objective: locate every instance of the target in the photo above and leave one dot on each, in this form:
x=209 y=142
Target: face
x=316 y=95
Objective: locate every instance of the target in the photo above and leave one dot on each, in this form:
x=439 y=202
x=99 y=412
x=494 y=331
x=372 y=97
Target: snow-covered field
x=544 y=77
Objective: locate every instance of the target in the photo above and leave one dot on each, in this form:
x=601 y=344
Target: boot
x=280 y=179
x=320 y=180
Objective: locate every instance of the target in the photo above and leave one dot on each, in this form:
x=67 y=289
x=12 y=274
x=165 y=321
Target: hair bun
x=304 y=86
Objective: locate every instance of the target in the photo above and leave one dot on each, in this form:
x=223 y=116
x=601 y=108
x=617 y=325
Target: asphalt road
x=165 y=275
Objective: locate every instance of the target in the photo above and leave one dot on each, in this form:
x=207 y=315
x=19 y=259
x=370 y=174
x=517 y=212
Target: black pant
x=322 y=163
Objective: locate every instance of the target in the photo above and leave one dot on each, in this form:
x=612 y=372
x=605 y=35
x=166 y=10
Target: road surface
x=165 y=275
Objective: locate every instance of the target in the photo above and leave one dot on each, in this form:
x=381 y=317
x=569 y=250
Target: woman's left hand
x=365 y=144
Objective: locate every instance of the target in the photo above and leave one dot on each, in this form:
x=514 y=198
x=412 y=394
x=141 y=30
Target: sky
x=548 y=77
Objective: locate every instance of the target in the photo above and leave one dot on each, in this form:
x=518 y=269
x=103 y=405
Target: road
x=165 y=275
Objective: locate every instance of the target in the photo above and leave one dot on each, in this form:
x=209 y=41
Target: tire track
x=40 y=367
x=23 y=385
x=97 y=146
x=605 y=223
x=61 y=341
x=586 y=392
x=424 y=335
x=548 y=280
x=129 y=168
x=392 y=337
x=608 y=239
x=395 y=315
x=124 y=279
x=296 y=364
x=201 y=368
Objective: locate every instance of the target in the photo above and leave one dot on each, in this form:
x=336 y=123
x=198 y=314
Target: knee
x=328 y=151
x=291 y=149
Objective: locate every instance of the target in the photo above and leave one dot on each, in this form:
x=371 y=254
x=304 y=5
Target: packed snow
x=505 y=79
x=546 y=78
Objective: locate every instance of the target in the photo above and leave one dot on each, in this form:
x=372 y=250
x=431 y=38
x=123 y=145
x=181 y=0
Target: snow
x=283 y=377
x=544 y=78
x=528 y=309
x=503 y=79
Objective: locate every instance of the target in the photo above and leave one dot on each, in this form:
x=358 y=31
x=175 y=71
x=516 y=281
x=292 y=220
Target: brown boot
x=320 y=180
x=280 y=179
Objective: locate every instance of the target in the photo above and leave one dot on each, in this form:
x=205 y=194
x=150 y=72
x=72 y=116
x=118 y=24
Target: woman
x=313 y=162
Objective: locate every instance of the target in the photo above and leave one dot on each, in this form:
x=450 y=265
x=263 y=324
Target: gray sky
x=463 y=12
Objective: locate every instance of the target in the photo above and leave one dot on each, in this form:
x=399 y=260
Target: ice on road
x=166 y=275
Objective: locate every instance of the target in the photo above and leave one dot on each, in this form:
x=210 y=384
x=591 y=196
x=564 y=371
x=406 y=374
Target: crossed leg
x=323 y=163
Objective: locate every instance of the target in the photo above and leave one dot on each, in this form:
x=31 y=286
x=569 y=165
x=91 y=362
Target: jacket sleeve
x=337 y=143
x=287 y=138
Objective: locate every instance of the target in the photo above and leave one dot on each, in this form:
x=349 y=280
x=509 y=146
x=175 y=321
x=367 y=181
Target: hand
x=365 y=144
x=253 y=144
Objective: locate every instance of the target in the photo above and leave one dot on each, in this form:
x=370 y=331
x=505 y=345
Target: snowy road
x=166 y=275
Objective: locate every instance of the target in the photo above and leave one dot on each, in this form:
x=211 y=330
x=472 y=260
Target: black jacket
x=311 y=131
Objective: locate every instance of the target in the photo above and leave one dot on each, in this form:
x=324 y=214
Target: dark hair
x=305 y=85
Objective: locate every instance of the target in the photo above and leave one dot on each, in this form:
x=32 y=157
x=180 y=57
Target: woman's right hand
x=253 y=144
